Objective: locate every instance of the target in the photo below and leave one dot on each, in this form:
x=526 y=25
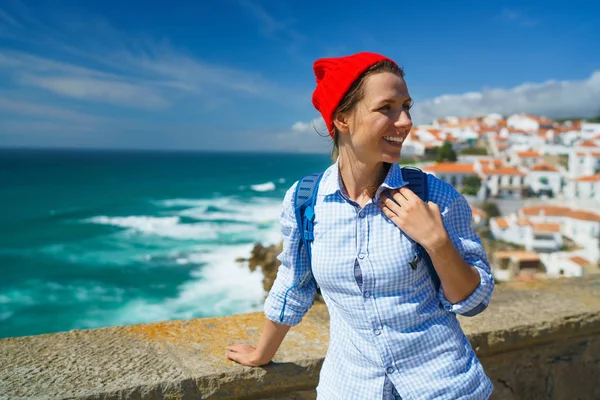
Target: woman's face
x=381 y=120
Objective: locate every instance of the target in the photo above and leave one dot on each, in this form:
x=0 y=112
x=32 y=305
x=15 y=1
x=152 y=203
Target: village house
x=500 y=180
x=584 y=159
x=516 y=265
x=580 y=226
x=583 y=187
x=529 y=123
x=544 y=180
x=526 y=159
x=450 y=172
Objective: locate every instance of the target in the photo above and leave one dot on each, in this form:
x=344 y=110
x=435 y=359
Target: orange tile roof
x=587 y=143
x=487 y=162
x=544 y=167
x=501 y=222
x=584 y=215
x=518 y=255
x=524 y=154
x=451 y=168
x=523 y=222
x=478 y=211
x=592 y=153
x=588 y=178
x=541 y=120
x=503 y=171
x=546 y=227
x=551 y=211
x=580 y=261
x=558 y=211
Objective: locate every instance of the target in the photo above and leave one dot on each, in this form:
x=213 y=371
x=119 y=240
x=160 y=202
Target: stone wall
x=537 y=340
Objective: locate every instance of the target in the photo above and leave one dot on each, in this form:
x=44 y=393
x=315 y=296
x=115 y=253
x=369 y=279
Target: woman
x=392 y=335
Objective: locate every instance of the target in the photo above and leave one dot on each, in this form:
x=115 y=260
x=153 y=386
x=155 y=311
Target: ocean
x=91 y=239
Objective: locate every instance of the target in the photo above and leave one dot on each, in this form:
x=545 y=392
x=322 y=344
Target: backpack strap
x=417 y=182
x=304 y=207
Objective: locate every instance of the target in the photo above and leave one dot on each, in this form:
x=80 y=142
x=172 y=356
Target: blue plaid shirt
x=389 y=327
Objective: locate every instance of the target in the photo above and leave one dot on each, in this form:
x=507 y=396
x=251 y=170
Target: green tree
x=477 y=151
x=471 y=185
x=446 y=153
x=491 y=209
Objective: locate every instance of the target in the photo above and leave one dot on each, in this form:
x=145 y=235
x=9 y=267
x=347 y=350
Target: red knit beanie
x=334 y=78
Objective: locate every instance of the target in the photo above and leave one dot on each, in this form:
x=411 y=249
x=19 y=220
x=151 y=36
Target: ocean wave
x=252 y=211
x=221 y=287
x=171 y=227
x=263 y=187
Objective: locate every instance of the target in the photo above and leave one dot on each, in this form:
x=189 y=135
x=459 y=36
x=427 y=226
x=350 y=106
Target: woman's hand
x=419 y=220
x=245 y=355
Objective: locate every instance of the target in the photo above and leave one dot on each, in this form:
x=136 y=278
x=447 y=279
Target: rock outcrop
x=265 y=258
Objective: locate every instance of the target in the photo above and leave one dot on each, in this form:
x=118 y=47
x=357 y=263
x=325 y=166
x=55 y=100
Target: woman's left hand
x=419 y=220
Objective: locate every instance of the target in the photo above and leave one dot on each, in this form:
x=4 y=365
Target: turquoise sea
x=101 y=238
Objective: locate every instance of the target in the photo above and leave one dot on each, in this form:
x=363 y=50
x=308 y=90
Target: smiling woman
x=394 y=334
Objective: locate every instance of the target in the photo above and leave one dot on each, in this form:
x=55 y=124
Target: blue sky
x=237 y=74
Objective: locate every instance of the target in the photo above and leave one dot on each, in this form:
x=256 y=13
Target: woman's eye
x=385 y=108
x=408 y=106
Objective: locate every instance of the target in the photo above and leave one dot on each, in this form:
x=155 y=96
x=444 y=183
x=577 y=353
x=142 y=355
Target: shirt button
x=390 y=370
x=361 y=255
x=377 y=332
x=367 y=294
x=361 y=214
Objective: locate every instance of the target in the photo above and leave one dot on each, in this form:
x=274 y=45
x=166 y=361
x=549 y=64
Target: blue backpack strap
x=304 y=207
x=417 y=182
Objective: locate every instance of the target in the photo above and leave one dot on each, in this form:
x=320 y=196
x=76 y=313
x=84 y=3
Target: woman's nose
x=404 y=120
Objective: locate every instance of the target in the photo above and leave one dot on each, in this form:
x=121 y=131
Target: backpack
x=305 y=198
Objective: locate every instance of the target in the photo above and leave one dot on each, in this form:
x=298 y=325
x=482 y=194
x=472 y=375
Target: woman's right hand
x=245 y=355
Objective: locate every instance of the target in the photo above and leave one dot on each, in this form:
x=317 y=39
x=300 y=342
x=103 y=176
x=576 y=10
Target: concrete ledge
x=539 y=327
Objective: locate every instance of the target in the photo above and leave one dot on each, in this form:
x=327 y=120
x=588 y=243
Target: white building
x=492 y=119
x=544 y=179
x=529 y=123
x=452 y=173
x=589 y=130
x=583 y=187
x=500 y=180
x=526 y=159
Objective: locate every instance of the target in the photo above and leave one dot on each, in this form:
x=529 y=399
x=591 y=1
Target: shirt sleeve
x=291 y=294
x=457 y=221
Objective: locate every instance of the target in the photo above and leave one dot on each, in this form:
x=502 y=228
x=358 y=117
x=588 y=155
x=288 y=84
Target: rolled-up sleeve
x=457 y=221
x=288 y=300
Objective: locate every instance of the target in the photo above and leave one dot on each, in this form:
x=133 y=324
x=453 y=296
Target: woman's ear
x=340 y=120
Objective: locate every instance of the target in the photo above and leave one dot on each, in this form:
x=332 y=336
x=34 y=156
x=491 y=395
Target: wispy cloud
x=32 y=109
x=105 y=65
x=99 y=90
x=8 y=19
x=553 y=99
x=275 y=28
x=517 y=17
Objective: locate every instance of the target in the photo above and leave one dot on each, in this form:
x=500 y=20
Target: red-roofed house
x=544 y=179
x=583 y=187
x=451 y=172
x=501 y=180
x=526 y=158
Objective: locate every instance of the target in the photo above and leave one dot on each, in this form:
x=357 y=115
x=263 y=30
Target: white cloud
x=30 y=109
x=99 y=90
x=554 y=99
x=316 y=126
x=517 y=17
